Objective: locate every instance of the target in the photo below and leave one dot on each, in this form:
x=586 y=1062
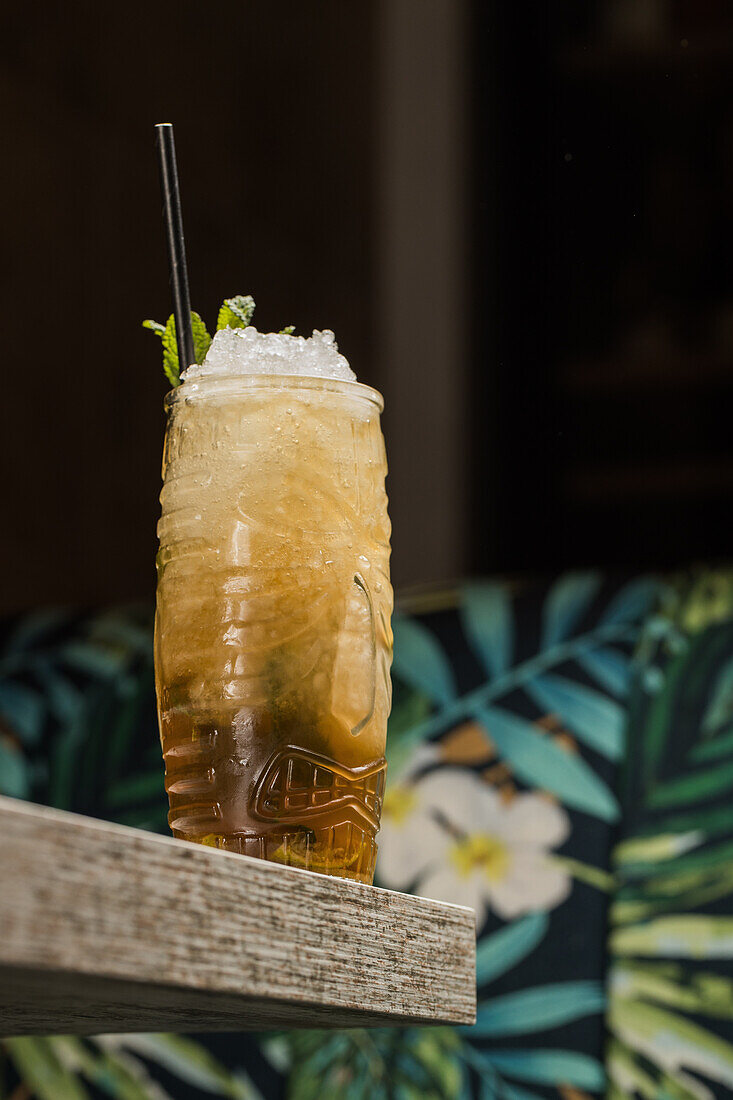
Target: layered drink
x=273 y=640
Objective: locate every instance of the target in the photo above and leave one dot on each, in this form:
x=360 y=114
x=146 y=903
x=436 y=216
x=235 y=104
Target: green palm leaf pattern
x=40 y=1066
x=122 y=1066
x=87 y=686
x=186 y=1059
x=377 y=1064
x=671 y=939
x=77 y=726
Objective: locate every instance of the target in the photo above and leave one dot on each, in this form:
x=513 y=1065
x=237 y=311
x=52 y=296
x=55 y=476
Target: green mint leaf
x=171 y=368
x=201 y=338
x=287 y=331
x=236 y=312
x=167 y=333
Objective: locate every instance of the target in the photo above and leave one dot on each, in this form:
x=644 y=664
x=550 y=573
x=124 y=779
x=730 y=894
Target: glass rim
x=246 y=383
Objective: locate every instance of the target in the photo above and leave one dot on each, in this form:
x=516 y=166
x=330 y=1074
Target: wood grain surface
x=106 y=928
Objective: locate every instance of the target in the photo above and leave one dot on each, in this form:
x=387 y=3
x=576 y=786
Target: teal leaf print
x=548 y=1067
x=33 y=628
x=103 y=751
x=490 y=1083
x=420 y=661
x=538 y=1009
x=488 y=622
x=514 y=1092
x=612 y=669
x=633 y=602
x=499 y=952
x=93 y=660
x=22 y=710
x=14 y=779
x=63 y=698
x=538 y=761
x=566 y=604
x=591 y=716
x=379 y=1062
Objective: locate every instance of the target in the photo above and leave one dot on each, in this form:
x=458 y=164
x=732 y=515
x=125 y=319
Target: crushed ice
x=236 y=351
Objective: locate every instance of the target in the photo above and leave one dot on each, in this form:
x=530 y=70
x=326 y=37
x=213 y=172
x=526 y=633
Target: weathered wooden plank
x=105 y=928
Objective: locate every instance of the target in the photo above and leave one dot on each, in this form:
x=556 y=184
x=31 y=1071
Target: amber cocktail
x=273 y=641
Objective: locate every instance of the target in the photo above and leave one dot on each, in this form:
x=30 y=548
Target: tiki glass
x=273 y=640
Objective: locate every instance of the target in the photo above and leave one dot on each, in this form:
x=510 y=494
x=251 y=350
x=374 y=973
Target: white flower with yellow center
x=452 y=837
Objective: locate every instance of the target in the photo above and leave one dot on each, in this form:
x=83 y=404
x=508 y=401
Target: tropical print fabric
x=670 y=982
x=560 y=759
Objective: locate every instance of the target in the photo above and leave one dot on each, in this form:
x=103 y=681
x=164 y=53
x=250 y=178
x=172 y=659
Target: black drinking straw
x=174 y=238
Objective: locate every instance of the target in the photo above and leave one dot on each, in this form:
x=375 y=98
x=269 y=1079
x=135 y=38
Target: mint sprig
x=167 y=333
x=234 y=312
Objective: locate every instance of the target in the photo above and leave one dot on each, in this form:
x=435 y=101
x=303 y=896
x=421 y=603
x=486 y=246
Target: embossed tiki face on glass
x=273 y=639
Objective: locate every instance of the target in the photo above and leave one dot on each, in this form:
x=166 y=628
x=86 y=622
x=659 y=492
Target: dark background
x=596 y=196
x=276 y=202
x=613 y=223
